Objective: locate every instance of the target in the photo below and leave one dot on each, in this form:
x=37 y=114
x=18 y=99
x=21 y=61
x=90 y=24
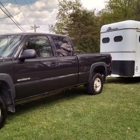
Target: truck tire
x=95 y=86
x=3 y=112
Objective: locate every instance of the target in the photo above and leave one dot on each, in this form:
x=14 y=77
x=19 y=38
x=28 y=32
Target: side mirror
x=28 y=54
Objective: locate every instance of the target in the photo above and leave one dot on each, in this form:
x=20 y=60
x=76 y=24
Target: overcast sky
x=39 y=12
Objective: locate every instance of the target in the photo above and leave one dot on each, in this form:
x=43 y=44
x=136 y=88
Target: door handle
x=53 y=64
x=49 y=64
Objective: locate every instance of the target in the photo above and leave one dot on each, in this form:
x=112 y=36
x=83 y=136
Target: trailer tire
x=3 y=112
x=95 y=86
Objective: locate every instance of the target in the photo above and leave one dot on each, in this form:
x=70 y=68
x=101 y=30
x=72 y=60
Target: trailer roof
x=127 y=24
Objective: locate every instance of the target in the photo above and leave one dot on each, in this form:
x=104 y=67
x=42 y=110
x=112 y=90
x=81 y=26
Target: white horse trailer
x=122 y=41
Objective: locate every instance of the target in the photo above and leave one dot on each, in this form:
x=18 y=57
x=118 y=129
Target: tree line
x=83 y=25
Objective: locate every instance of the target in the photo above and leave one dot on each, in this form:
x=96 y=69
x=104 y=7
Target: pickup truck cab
x=33 y=65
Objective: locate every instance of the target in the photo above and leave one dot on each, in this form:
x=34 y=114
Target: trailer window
x=139 y=38
x=106 y=40
x=118 y=38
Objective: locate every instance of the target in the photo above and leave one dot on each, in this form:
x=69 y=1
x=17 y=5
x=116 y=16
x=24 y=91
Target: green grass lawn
x=73 y=115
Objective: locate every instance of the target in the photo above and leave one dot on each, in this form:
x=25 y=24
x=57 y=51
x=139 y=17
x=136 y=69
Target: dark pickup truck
x=33 y=65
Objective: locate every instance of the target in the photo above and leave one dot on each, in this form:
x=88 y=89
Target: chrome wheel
x=97 y=84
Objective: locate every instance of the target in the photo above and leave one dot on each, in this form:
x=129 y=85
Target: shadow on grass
x=48 y=101
x=122 y=80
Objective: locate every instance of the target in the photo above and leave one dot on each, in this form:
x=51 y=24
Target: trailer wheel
x=3 y=112
x=95 y=86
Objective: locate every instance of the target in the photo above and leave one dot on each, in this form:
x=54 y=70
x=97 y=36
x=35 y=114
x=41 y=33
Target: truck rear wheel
x=95 y=86
x=3 y=112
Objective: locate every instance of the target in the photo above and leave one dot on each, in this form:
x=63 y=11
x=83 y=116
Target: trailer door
x=137 y=61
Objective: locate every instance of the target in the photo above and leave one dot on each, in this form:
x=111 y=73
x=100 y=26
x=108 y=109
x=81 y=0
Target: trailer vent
x=118 y=38
x=106 y=40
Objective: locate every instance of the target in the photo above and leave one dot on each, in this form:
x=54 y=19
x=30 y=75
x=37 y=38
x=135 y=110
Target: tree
x=83 y=26
x=78 y=23
x=88 y=44
x=118 y=10
x=137 y=10
x=65 y=8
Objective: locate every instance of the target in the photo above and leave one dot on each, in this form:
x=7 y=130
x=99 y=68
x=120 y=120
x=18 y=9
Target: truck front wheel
x=95 y=86
x=3 y=112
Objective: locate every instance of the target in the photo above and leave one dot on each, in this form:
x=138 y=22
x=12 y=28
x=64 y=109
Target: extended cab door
x=38 y=75
x=67 y=62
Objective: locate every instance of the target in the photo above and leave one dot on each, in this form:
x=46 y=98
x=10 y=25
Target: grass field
x=73 y=115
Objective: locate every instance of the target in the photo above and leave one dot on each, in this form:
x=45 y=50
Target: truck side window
x=63 y=46
x=41 y=45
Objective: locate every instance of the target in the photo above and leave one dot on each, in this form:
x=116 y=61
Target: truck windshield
x=8 y=44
